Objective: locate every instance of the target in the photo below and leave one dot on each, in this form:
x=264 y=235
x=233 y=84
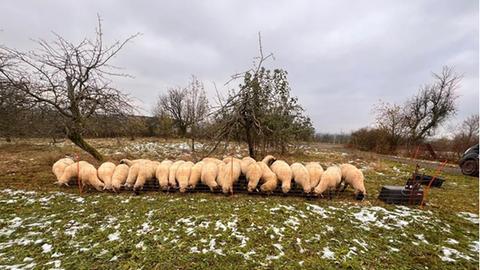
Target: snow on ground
x=469 y=216
x=218 y=234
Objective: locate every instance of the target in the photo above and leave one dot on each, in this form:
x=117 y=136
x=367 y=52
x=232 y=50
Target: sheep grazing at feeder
x=284 y=174
x=105 y=172
x=301 y=176
x=182 y=174
x=172 y=172
x=195 y=175
x=269 y=178
x=229 y=174
x=119 y=176
x=220 y=174
x=253 y=175
x=352 y=176
x=244 y=163
x=146 y=172
x=59 y=167
x=132 y=173
x=162 y=173
x=85 y=172
x=330 y=180
x=269 y=159
x=315 y=171
x=209 y=174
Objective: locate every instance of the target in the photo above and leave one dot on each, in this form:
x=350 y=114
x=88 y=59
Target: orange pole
x=437 y=172
x=80 y=188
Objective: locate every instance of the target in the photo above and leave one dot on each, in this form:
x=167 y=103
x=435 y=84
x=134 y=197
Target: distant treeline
x=335 y=138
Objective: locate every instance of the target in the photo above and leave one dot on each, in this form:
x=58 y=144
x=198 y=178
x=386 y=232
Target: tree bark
x=78 y=140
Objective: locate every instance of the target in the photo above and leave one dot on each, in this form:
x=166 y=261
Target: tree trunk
x=78 y=140
x=251 y=145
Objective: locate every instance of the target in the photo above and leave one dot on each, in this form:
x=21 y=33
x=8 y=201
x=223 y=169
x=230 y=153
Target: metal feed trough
x=412 y=192
x=240 y=187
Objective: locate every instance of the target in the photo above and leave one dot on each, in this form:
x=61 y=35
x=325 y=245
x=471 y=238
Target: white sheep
x=132 y=173
x=269 y=178
x=145 y=172
x=253 y=175
x=209 y=174
x=245 y=162
x=220 y=174
x=315 y=171
x=59 y=167
x=229 y=174
x=172 y=171
x=182 y=174
x=352 y=176
x=284 y=174
x=119 y=176
x=195 y=175
x=301 y=176
x=105 y=172
x=162 y=173
x=85 y=172
x=330 y=180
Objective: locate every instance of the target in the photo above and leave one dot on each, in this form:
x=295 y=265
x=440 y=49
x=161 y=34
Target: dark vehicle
x=469 y=161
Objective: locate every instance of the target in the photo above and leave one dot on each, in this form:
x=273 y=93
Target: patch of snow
x=114 y=236
x=469 y=216
x=219 y=226
x=279 y=255
x=450 y=255
x=361 y=243
x=328 y=254
x=141 y=245
x=452 y=241
x=293 y=222
x=475 y=246
x=317 y=210
x=46 y=248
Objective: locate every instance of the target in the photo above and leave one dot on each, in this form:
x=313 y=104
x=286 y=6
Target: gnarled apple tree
x=73 y=79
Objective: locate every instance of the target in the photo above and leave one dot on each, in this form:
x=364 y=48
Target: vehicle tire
x=470 y=167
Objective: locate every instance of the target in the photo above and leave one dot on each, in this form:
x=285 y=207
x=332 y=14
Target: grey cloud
x=342 y=56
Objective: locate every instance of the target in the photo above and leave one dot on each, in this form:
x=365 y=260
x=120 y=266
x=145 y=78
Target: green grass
x=171 y=231
x=196 y=231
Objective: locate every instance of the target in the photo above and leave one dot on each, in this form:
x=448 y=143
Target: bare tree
x=186 y=106
x=466 y=135
x=73 y=79
x=433 y=104
x=390 y=118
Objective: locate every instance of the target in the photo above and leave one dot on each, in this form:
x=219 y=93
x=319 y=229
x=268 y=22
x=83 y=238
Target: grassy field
x=44 y=226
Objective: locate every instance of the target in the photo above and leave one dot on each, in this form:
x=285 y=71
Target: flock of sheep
x=214 y=173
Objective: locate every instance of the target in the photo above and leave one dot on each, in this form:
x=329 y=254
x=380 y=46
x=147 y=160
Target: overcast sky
x=342 y=56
